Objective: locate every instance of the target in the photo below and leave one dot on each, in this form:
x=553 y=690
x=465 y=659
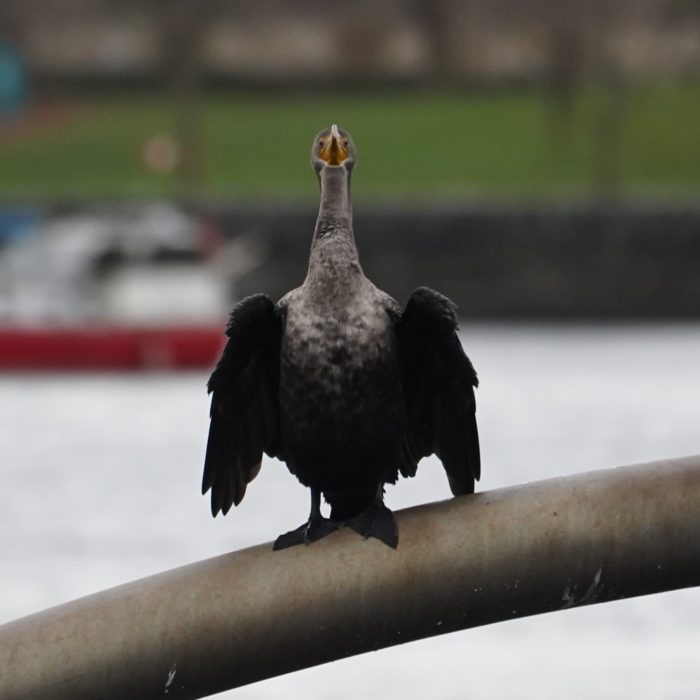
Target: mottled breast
x=339 y=386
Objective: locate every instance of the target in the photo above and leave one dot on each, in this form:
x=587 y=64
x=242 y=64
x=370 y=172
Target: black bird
x=339 y=382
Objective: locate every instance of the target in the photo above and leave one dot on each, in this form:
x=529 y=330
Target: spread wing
x=244 y=406
x=438 y=382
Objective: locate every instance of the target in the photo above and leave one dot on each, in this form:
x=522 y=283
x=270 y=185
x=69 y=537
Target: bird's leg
x=376 y=520
x=311 y=531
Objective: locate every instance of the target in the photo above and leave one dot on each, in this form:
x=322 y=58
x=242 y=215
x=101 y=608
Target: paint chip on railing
x=171 y=677
x=569 y=595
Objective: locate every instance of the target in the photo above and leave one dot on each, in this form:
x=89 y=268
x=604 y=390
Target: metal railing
x=469 y=561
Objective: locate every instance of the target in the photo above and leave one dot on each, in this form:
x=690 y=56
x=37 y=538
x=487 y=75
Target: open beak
x=334 y=152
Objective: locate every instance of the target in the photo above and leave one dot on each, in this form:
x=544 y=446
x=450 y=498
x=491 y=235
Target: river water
x=100 y=485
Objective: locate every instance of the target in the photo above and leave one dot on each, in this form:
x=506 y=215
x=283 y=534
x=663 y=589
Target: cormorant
x=339 y=382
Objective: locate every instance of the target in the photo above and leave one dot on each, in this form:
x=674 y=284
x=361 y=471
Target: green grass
x=409 y=144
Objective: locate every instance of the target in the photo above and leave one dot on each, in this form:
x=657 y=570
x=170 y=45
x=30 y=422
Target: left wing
x=438 y=381
x=244 y=406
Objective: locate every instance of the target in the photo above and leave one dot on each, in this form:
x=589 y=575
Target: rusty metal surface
x=474 y=560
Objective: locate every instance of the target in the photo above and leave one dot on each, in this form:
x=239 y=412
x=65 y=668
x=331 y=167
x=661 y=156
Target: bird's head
x=332 y=147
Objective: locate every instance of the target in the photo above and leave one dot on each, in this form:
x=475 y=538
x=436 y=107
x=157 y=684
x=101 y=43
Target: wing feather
x=438 y=380
x=244 y=410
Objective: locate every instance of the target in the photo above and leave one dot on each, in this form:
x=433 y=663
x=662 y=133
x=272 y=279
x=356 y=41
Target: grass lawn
x=410 y=144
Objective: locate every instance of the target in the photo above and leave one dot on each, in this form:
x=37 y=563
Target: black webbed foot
x=312 y=531
x=376 y=521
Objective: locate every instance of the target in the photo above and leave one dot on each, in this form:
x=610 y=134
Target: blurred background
x=538 y=161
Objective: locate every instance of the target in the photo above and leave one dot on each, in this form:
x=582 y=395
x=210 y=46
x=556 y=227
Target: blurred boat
x=147 y=288
x=110 y=347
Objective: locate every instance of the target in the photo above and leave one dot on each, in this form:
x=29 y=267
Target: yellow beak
x=334 y=151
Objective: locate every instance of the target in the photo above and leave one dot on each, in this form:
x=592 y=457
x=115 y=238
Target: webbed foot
x=376 y=521
x=312 y=531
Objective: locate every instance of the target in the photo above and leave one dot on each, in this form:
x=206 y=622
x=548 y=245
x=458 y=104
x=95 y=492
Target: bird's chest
x=335 y=349
x=337 y=364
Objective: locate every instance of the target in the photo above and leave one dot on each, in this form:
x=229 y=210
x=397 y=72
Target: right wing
x=438 y=380
x=244 y=406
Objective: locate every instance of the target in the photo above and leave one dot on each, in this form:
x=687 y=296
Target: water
x=100 y=485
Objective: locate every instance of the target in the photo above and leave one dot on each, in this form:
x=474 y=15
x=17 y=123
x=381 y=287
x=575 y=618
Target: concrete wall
x=592 y=261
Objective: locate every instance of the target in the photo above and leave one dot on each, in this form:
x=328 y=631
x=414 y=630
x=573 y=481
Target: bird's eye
x=320 y=143
x=345 y=143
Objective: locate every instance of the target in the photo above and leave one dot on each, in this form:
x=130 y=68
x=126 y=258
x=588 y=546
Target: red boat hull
x=110 y=348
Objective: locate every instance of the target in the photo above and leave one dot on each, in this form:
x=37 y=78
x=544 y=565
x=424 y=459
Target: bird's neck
x=333 y=248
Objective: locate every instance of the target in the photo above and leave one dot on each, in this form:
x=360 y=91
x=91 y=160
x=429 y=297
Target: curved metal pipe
x=473 y=560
